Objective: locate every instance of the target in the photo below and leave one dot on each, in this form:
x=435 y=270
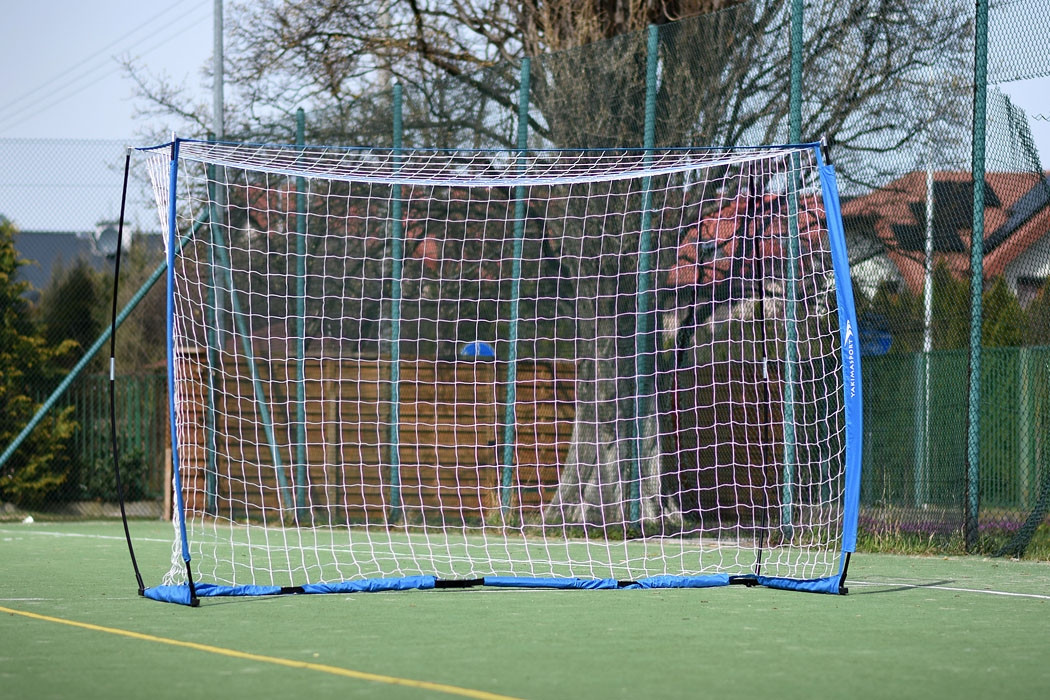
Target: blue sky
x=61 y=76
x=1033 y=96
x=62 y=79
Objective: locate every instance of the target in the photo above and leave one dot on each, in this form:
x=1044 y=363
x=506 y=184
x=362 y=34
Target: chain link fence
x=890 y=84
x=59 y=204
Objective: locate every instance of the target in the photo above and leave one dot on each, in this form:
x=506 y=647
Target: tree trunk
x=597 y=479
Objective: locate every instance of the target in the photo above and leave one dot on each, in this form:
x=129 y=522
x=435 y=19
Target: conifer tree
x=40 y=468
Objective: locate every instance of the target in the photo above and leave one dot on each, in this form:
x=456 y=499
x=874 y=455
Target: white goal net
x=573 y=369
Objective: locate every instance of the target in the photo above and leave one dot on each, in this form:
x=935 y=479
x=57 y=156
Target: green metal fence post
x=973 y=428
x=787 y=496
x=300 y=339
x=132 y=438
x=214 y=331
x=397 y=253
x=98 y=408
x=643 y=322
x=795 y=105
x=1026 y=428
x=510 y=410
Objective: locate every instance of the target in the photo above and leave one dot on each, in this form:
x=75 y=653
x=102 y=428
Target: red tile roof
x=1016 y=216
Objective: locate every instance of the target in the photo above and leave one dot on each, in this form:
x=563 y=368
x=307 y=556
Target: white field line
x=955 y=589
x=51 y=533
x=25 y=600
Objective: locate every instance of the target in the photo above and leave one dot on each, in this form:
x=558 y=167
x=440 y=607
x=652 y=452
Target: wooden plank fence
x=721 y=427
x=451 y=428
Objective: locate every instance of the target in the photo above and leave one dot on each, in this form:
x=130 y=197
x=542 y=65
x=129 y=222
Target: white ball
x=28 y=520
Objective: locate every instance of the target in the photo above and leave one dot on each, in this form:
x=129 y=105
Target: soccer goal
x=570 y=369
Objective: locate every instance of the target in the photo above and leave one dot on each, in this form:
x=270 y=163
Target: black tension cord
x=112 y=376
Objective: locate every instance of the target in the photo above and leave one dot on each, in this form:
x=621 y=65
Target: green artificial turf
x=922 y=627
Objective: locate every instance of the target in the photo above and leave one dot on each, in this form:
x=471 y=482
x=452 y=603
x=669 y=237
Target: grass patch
x=927 y=531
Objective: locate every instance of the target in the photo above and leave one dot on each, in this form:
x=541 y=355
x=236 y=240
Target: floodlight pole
x=922 y=412
x=217 y=217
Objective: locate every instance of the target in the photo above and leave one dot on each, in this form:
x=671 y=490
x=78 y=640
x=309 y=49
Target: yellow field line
x=290 y=663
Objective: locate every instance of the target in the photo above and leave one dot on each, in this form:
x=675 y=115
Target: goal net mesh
x=573 y=365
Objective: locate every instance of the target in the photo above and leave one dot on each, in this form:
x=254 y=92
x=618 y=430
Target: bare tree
x=877 y=73
x=724 y=78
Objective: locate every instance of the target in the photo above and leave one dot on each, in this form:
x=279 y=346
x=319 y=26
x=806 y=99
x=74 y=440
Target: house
x=886 y=230
x=44 y=251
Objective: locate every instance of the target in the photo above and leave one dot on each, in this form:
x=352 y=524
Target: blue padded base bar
x=829 y=584
x=181 y=594
x=608 y=583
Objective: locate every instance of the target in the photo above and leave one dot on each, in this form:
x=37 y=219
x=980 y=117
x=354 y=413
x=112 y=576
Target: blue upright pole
x=173 y=232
